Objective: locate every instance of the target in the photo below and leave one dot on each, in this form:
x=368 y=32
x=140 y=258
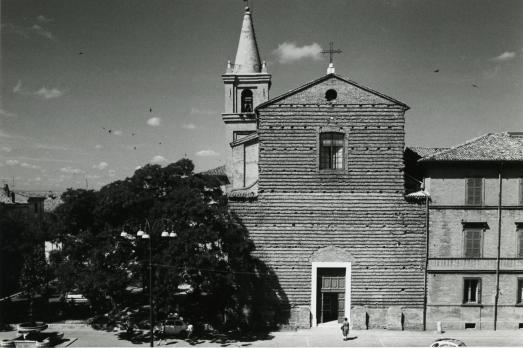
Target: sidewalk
x=83 y=336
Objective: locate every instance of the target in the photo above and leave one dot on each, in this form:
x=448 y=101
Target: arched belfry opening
x=246 y=101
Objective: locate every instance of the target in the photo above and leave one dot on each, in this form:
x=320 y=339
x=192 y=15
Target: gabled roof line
x=324 y=78
x=428 y=158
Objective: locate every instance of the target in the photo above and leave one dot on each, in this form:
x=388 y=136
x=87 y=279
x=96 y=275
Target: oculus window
x=331 y=150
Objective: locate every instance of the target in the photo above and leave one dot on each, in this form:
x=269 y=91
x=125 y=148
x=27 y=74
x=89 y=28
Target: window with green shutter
x=474 y=191
x=473 y=242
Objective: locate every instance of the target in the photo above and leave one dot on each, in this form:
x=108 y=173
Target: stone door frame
x=314 y=286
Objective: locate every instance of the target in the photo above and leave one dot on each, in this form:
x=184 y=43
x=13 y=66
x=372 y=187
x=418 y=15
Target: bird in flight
x=150 y=109
x=437 y=70
x=476 y=86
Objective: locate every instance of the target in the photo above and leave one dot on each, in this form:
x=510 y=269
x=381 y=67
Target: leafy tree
x=22 y=248
x=210 y=255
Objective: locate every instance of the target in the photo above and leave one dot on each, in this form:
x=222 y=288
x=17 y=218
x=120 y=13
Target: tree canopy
x=207 y=269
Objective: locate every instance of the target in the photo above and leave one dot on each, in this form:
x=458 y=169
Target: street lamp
x=144 y=235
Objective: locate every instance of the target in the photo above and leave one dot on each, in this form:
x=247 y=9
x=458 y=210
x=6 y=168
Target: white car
x=75 y=298
x=447 y=342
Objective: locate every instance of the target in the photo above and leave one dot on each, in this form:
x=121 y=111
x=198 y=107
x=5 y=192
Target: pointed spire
x=247 y=57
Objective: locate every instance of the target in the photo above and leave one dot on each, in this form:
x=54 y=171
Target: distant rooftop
x=218 y=171
x=507 y=146
x=426 y=151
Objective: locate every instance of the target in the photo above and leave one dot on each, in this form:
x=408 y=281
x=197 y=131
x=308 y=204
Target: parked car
x=176 y=327
x=447 y=342
x=75 y=298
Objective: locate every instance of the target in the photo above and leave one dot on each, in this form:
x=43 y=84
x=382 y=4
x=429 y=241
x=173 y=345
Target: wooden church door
x=331 y=294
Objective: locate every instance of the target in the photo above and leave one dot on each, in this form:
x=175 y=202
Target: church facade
x=317 y=178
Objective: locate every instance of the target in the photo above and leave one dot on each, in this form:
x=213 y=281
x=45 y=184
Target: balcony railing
x=479 y=264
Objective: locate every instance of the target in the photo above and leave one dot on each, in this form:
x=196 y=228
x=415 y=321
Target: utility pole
x=496 y=297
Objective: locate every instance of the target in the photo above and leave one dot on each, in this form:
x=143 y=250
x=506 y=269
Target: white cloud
x=505 y=56
x=189 y=126
x=101 y=166
x=43 y=159
x=7 y=113
x=49 y=93
x=196 y=111
x=18 y=87
x=39 y=30
x=158 y=159
x=71 y=170
x=43 y=19
x=27 y=165
x=6 y=149
x=98 y=146
x=288 y=52
x=154 y=121
x=117 y=132
x=12 y=162
x=51 y=147
x=207 y=153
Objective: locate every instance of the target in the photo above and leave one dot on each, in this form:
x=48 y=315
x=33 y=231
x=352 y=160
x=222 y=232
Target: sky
x=92 y=89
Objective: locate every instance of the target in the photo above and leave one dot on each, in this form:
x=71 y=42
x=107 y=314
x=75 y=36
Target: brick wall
x=361 y=209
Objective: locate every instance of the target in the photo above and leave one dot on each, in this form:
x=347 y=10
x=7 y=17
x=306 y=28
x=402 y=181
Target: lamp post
x=144 y=235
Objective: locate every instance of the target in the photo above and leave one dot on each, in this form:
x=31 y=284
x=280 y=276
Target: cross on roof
x=331 y=51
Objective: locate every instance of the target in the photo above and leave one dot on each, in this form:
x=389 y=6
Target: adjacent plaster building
x=476 y=232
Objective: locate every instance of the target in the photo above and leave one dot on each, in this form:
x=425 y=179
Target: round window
x=331 y=94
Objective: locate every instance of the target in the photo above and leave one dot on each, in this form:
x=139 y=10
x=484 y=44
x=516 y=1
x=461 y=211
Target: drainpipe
x=426 y=260
x=496 y=297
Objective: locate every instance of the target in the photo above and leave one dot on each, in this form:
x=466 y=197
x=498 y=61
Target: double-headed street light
x=144 y=235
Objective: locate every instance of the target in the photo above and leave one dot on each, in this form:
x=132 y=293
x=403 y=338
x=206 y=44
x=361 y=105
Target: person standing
x=345 y=329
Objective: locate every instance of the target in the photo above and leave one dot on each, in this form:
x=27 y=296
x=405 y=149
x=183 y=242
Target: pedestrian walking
x=345 y=329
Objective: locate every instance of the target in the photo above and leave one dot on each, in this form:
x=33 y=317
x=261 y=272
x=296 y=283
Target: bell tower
x=247 y=84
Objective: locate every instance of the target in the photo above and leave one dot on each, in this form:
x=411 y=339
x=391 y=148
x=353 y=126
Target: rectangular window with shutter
x=519 y=234
x=472 y=291
x=521 y=191
x=520 y=291
x=474 y=191
x=472 y=242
